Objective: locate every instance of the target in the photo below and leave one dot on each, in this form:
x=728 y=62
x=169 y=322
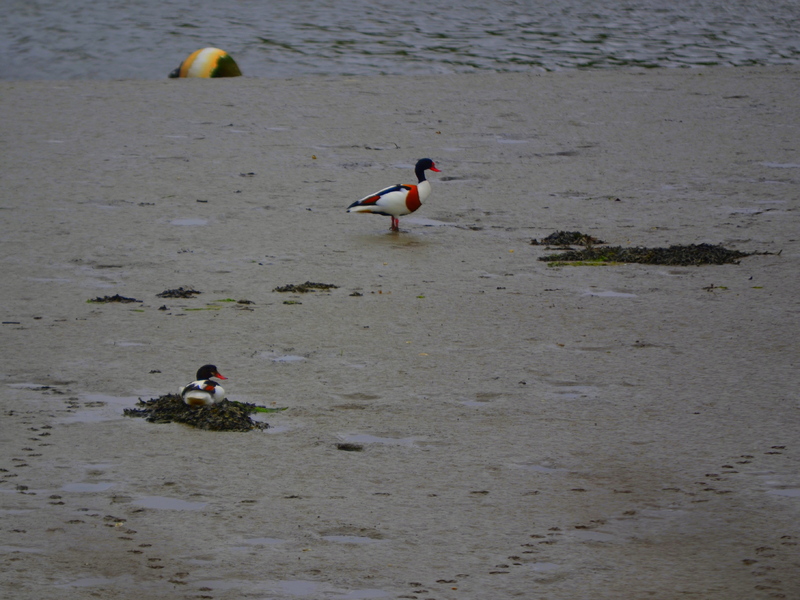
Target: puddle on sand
x=774 y=165
x=308 y=588
x=594 y=536
x=162 y=503
x=539 y=468
x=12 y=549
x=424 y=222
x=512 y=141
x=296 y=587
x=263 y=541
x=269 y=418
x=29 y=386
x=87 y=487
x=363 y=438
x=481 y=399
x=288 y=359
x=577 y=391
x=189 y=222
x=359 y=594
x=283 y=359
x=273 y=429
x=544 y=567
x=49 y=279
x=86 y=582
x=607 y=294
x=662 y=513
x=351 y=539
x=790 y=492
x=228 y=584
x=254 y=545
x=743 y=210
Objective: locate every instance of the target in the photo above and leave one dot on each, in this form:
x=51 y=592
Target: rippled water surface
x=145 y=39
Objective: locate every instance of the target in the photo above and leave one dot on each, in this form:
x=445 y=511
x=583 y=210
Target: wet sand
x=528 y=431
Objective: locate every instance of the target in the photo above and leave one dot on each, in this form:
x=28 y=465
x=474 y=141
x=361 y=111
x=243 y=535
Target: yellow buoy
x=208 y=62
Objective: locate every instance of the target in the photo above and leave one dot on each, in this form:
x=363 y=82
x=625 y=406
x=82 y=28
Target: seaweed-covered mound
x=303 y=288
x=114 y=298
x=678 y=255
x=180 y=292
x=223 y=416
x=567 y=238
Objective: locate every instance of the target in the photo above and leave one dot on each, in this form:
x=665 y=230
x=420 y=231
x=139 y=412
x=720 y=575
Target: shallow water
x=146 y=39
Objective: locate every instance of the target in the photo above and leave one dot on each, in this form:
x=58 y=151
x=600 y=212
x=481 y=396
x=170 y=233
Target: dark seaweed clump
x=678 y=255
x=303 y=288
x=348 y=447
x=180 y=292
x=567 y=238
x=114 y=298
x=222 y=416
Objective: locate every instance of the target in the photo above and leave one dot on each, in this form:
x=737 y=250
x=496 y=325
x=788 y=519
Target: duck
x=207 y=62
x=204 y=391
x=400 y=199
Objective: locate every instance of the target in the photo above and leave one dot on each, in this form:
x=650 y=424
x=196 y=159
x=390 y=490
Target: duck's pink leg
x=395 y=224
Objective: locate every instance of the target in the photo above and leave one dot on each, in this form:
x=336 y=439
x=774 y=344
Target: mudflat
x=463 y=420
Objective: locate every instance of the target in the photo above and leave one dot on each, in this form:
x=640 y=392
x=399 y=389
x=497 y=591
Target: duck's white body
x=398 y=200
x=394 y=201
x=204 y=391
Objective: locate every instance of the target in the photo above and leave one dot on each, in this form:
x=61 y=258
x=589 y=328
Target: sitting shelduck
x=204 y=391
x=400 y=199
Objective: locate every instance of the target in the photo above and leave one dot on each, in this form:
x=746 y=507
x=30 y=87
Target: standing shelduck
x=204 y=391
x=400 y=199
